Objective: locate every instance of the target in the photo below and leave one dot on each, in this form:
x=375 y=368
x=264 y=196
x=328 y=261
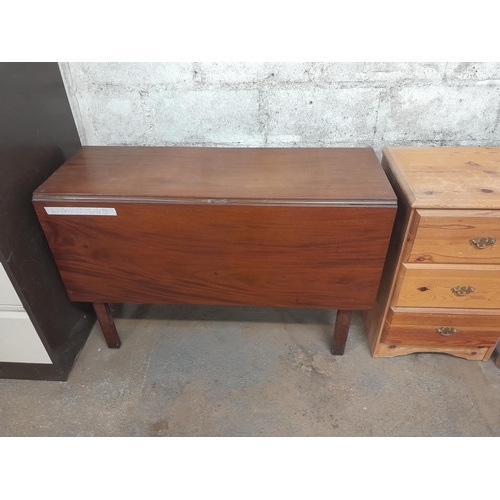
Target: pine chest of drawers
x=440 y=290
x=301 y=228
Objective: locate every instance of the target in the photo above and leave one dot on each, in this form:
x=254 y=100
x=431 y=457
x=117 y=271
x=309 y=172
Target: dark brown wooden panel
x=32 y=371
x=313 y=257
x=37 y=134
x=250 y=175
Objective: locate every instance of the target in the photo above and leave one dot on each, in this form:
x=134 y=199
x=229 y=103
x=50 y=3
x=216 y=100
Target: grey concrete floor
x=203 y=371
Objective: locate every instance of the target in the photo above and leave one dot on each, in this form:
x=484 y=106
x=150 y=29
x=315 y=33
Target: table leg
x=340 y=332
x=497 y=361
x=107 y=324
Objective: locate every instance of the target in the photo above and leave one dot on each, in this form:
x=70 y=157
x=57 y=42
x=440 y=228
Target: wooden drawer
x=428 y=285
x=444 y=236
x=420 y=327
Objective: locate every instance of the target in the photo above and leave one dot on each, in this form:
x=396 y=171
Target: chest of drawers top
x=297 y=176
x=447 y=177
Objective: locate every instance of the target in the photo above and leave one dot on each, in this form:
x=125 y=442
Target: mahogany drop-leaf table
x=263 y=227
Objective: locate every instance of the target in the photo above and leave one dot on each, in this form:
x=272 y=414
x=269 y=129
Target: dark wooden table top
x=330 y=176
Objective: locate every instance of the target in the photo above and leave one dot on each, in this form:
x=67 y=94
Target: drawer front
x=8 y=295
x=444 y=236
x=442 y=327
x=428 y=285
x=19 y=341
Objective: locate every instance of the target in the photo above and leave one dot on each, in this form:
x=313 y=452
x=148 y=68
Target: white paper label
x=79 y=211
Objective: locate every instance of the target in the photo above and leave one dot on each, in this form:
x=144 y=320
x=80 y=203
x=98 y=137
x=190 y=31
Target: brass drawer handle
x=462 y=290
x=483 y=242
x=446 y=331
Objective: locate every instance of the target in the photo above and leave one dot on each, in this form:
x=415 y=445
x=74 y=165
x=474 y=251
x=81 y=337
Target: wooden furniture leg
x=107 y=325
x=340 y=332
x=497 y=361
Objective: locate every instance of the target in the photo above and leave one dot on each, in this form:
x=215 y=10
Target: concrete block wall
x=285 y=104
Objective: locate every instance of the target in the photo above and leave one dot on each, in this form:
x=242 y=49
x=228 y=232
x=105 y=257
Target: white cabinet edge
x=8 y=295
x=19 y=341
